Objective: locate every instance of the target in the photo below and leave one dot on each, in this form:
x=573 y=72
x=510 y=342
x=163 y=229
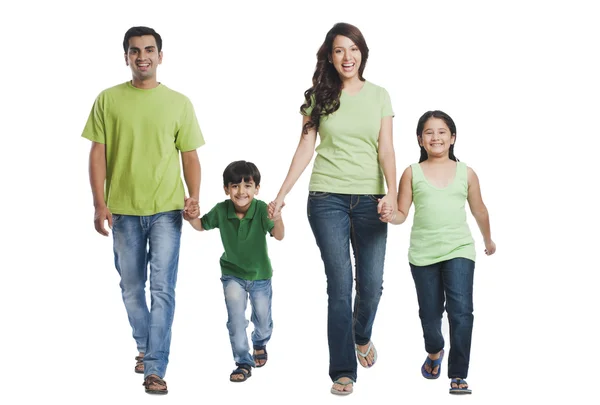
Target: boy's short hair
x=239 y=171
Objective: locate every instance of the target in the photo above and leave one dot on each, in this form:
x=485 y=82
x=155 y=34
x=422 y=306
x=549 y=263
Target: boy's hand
x=276 y=217
x=274 y=209
x=191 y=210
x=490 y=247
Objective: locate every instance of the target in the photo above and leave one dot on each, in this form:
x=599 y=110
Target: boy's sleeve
x=94 y=128
x=266 y=222
x=386 y=107
x=211 y=219
x=189 y=136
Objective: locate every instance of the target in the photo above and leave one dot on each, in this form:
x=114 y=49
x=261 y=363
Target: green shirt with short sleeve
x=347 y=160
x=143 y=130
x=244 y=240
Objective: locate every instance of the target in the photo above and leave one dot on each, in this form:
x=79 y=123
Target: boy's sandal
x=244 y=370
x=458 y=389
x=345 y=384
x=364 y=355
x=139 y=364
x=433 y=364
x=262 y=356
x=153 y=384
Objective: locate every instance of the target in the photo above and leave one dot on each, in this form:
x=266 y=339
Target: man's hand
x=100 y=215
x=191 y=209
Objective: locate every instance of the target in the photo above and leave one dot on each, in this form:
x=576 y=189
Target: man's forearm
x=192 y=173
x=97 y=169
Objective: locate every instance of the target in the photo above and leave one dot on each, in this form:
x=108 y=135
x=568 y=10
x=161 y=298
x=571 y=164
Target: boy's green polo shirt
x=244 y=240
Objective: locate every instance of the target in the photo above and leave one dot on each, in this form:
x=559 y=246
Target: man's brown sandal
x=155 y=382
x=139 y=364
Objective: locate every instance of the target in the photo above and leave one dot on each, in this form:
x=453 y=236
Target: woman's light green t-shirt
x=347 y=159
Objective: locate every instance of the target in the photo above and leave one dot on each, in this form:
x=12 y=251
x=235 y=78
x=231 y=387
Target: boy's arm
x=405 y=197
x=208 y=221
x=196 y=224
x=278 y=231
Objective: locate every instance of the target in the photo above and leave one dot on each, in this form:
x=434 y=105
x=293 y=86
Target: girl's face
x=436 y=138
x=345 y=57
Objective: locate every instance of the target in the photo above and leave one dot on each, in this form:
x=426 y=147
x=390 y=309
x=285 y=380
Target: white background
x=520 y=80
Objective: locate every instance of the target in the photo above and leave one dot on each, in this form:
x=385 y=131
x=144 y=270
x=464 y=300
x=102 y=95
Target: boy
x=245 y=265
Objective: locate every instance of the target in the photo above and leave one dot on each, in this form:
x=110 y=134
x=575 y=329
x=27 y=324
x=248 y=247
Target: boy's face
x=242 y=193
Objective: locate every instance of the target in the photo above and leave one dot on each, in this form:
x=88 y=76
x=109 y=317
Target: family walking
x=143 y=133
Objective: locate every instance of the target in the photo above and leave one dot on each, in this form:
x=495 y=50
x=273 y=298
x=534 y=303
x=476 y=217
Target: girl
x=442 y=250
x=353 y=118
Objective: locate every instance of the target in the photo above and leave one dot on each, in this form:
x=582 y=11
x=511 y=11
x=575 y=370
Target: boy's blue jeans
x=338 y=221
x=237 y=291
x=139 y=242
x=449 y=282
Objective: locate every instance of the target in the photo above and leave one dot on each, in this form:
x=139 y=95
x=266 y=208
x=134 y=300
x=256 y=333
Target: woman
x=353 y=118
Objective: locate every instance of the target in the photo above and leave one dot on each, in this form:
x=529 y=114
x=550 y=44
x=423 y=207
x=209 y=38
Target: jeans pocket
x=375 y=197
x=317 y=195
x=116 y=217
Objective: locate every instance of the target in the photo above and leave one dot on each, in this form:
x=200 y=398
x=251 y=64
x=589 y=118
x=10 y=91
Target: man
x=138 y=129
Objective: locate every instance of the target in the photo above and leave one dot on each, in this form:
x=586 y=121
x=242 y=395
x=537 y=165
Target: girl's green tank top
x=440 y=231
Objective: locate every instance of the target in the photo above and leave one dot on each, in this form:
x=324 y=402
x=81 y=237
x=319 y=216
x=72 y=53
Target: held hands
x=100 y=215
x=387 y=209
x=191 y=210
x=274 y=209
x=490 y=247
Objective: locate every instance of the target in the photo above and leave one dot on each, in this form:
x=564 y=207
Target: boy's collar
x=249 y=214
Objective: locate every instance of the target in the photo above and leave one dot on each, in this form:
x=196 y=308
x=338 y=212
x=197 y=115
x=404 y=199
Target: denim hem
x=435 y=351
x=351 y=377
x=151 y=372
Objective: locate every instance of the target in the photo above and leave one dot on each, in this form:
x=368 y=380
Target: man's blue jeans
x=449 y=282
x=338 y=221
x=141 y=242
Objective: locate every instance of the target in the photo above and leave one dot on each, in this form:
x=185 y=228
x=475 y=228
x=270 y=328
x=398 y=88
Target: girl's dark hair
x=449 y=122
x=138 y=32
x=324 y=95
x=239 y=171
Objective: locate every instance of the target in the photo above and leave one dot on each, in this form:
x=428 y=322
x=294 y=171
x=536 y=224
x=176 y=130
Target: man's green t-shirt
x=244 y=240
x=143 y=130
x=347 y=160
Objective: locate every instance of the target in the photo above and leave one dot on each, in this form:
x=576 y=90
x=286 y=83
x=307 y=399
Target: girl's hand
x=490 y=247
x=387 y=208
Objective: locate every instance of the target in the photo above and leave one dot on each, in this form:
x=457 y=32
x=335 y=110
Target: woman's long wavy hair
x=451 y=126
x=324 y=95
